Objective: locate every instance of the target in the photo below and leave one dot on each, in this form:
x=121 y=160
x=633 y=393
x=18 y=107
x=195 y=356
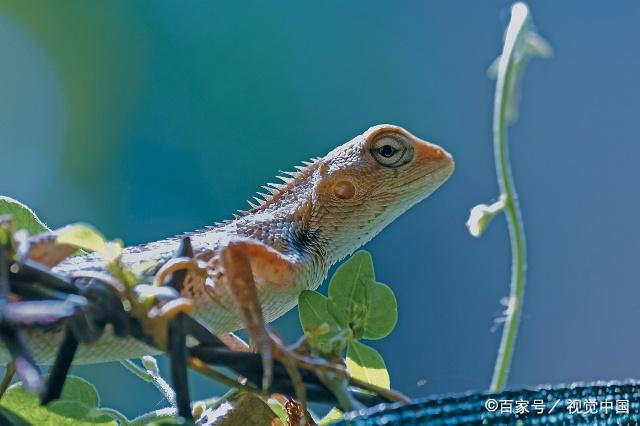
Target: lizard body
x=291 y=236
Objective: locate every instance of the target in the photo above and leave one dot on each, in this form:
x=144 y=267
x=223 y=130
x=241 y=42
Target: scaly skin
x=470 y=409
x=319 y=215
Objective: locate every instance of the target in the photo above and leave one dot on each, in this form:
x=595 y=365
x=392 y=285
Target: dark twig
x=177 y=349
x=10 y=371
x=61 y=367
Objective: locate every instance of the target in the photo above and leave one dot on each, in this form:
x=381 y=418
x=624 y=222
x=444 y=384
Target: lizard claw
x=294 y=360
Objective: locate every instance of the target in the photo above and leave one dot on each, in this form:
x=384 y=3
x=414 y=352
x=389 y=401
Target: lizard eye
x=391 y=151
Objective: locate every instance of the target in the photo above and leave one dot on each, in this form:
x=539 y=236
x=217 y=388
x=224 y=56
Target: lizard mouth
x=448 y=166
x=434 y=159
x=442 y=168
x=434 y=175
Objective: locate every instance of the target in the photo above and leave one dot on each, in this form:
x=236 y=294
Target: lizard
x=256 y=264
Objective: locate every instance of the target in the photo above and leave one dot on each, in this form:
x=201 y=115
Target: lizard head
x=363 y=185
x=336 y=203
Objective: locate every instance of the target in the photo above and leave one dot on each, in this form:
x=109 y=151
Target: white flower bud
x=481 y=215
x=150 y=364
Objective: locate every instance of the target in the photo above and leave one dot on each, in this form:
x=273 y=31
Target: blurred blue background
x=152 y=118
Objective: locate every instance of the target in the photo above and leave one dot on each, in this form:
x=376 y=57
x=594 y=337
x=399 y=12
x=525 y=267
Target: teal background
x=148 y=119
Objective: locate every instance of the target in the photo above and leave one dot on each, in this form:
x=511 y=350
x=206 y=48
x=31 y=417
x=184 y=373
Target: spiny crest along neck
x=335 y=204
x=282 y=216
x=294 y=184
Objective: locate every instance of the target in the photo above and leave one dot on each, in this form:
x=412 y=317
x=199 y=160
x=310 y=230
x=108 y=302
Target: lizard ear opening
x=344 y=190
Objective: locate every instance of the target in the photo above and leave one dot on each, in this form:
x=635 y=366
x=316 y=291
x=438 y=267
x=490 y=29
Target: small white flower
x=150 y=364
x=481 y=215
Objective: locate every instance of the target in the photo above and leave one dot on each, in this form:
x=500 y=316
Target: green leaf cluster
x=358 y=307
x=78 y=405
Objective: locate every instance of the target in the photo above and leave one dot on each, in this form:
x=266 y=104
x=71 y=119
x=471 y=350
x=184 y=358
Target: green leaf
x=11 y=418
x=320 y=326
x=383 y=312
x=278 y=410
x=86 y=237
x=358 y=302
x=23 y=216
x=365 y=363
x=79 y=390
x=69 y=408
x=82 y=236
x=331 y=417
x=348 y=292
x=313 y=310
x=78 y=398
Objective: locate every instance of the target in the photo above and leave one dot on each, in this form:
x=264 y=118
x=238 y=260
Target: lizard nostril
x=436 y=154
x=429 y=151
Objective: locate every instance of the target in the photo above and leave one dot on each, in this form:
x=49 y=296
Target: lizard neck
x=300 y=220
x=288 y=222
x=285 y=224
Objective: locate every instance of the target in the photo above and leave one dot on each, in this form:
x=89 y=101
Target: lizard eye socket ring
x=391 y=150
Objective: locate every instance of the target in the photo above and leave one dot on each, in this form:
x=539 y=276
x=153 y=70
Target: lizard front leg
x=239 y=278
x=242 y=262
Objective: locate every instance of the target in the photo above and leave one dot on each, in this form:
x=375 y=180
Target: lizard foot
x=293 y=360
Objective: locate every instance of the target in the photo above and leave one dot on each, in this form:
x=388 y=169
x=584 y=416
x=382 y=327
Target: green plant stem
x=115 y=414
x=152 y=377
x=507 y=72
x=161 y=414
x=136 y=369
x=390 y=394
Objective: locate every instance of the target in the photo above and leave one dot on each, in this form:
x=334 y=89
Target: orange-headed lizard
x=250 y=270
